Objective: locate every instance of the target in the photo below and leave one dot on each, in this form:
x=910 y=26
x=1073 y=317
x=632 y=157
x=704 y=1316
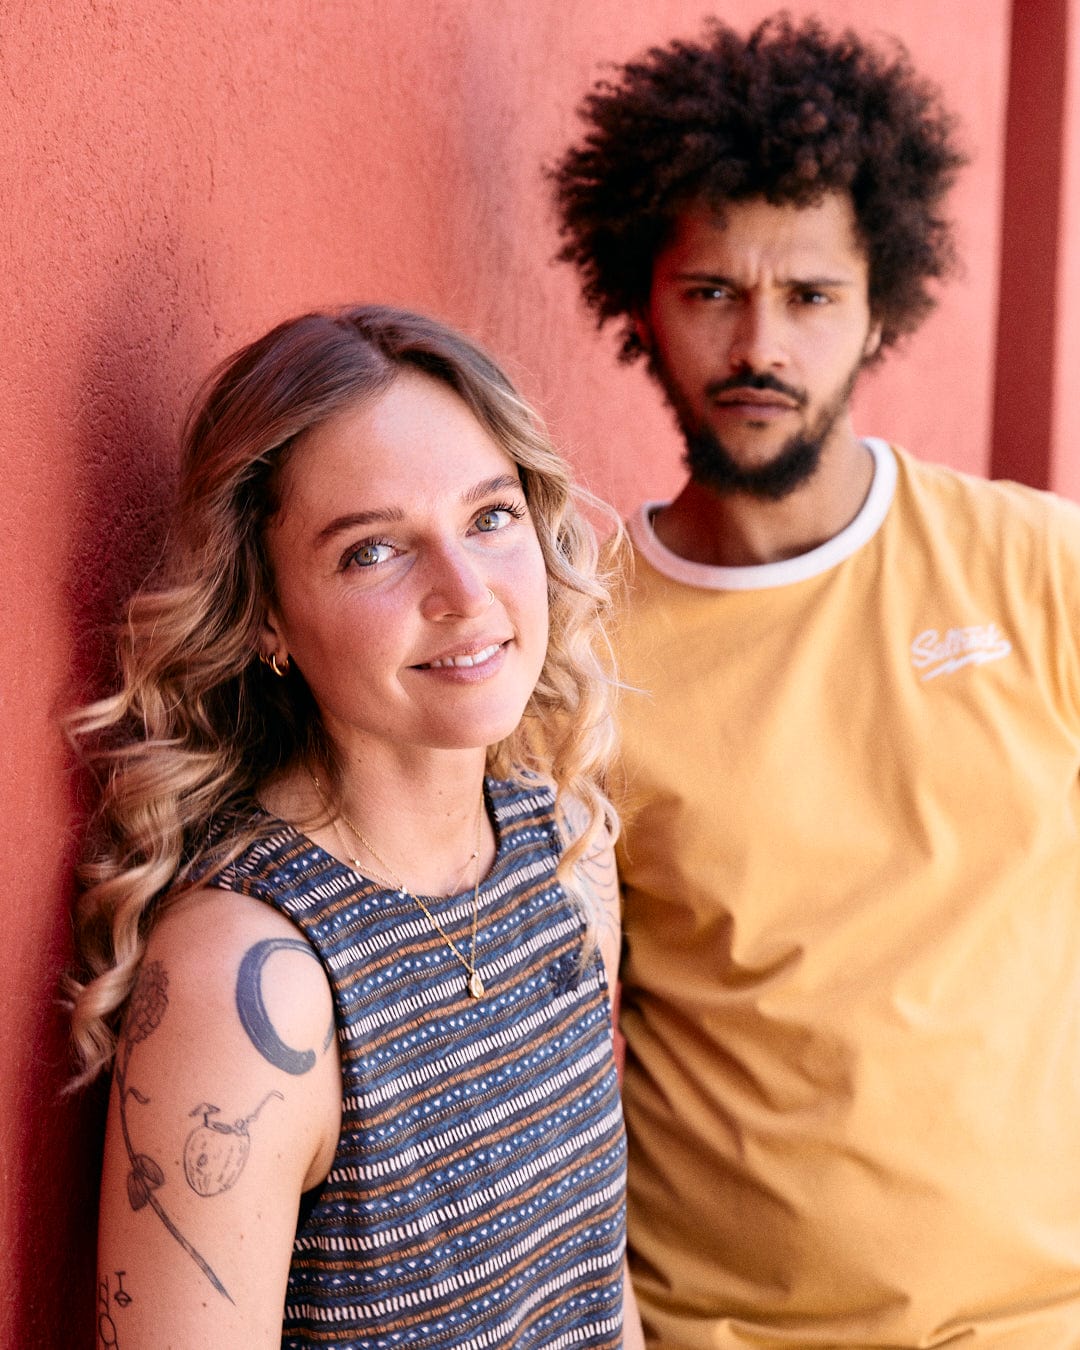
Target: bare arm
x=598 y=879
x=597 y=876
x=225 y=1105
x=633 y=1335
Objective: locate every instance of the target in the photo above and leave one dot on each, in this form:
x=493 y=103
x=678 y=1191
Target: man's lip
x=464 y=656
x=756 y=398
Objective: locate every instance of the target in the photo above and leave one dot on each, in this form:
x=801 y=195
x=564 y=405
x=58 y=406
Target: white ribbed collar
x=763 y=575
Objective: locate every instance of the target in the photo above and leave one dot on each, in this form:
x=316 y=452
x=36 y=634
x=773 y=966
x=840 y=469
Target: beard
x=711 y=463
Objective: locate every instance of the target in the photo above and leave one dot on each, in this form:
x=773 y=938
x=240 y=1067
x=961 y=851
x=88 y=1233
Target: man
x=852 y=858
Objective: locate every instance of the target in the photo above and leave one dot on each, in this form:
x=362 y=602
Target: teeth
x=476 y=659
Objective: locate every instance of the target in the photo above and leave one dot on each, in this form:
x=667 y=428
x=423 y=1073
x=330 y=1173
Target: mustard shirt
x=852 y=914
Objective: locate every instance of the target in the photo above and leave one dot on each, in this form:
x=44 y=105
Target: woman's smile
x=479 y=660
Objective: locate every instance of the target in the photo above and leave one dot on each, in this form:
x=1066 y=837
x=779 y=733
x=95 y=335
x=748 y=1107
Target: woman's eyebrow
x=379 y=515
x=382 y=515
x=503 y=482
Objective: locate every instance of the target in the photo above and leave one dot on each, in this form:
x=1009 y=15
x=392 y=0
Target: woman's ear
x=271 y=640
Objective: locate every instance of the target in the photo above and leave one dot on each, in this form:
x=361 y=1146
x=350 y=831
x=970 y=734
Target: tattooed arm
x=225 y=1106
x=599 y=881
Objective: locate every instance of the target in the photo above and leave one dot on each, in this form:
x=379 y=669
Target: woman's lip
x=463 y=660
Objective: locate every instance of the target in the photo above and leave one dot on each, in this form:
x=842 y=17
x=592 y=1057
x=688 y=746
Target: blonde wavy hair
x=199 y=722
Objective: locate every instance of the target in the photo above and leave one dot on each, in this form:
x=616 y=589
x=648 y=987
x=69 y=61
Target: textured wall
x=1065 y=445
x=175 y=178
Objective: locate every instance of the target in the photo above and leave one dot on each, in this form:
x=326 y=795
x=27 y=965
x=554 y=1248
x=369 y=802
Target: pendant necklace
x=475 y=984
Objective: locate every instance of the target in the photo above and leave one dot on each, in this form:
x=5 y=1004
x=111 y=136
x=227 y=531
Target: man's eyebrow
x=821 y=283
x=808 y=283
x=389 y=515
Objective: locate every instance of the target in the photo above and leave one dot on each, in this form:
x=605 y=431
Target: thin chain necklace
x=475 y=984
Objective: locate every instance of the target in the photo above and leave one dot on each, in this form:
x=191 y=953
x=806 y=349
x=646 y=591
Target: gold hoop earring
x=491 y=596
x=272 y=661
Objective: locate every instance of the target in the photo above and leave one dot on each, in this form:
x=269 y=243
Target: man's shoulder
x=1000 y=494
x=1000 y=507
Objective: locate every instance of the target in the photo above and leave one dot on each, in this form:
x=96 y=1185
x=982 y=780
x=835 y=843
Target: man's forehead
x=803 y=235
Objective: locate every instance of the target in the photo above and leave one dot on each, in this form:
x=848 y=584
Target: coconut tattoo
x=215 y=1152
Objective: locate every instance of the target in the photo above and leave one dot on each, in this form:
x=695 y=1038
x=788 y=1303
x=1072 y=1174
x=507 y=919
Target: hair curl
x=199 y=722
x=789 y=113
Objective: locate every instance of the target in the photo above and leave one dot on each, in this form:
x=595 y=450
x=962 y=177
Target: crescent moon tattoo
x=251 y=1007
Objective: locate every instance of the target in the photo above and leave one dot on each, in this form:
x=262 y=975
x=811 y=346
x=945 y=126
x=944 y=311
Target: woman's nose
x=456 y=589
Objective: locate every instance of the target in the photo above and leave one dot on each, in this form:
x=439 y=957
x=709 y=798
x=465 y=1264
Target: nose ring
x=491 y=596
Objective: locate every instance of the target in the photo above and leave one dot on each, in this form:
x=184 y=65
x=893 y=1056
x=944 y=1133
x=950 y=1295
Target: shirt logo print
x=943 y=653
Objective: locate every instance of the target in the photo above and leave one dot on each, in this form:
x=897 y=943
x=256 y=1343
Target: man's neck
x=740 y=530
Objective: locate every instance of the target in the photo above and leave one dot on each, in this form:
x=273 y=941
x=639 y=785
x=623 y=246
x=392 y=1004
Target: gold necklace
x=475 y=984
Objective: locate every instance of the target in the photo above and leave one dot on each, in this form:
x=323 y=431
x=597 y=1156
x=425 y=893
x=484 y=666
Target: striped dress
x=476 y=1197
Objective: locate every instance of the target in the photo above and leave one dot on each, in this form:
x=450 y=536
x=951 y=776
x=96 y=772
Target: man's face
x=757 y=325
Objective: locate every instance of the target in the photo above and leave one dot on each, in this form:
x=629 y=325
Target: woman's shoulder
x=233 y=972
x=527 y=796
x=263 y=856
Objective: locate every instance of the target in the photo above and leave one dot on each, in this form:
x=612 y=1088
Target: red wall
x=1064 y=459
x=175 y=179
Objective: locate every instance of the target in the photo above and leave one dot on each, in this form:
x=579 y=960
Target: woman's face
x=400 y=518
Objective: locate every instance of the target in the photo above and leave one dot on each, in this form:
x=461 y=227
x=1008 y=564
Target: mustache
x=762 y=381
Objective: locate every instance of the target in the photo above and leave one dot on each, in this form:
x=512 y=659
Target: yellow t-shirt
x=852 y=981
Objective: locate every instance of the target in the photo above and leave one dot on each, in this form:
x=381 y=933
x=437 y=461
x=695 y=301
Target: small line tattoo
x=108 y=1337
x=215 y=1152
x=597 y=873
x=251 y=1007
x=149 y=1001
x=121 y=1298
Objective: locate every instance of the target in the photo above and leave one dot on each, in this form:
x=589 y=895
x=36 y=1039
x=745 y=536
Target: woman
x=325 y=810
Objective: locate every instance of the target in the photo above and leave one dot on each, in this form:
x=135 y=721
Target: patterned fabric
x=476 y=1195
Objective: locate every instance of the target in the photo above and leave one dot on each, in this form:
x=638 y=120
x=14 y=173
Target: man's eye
x=812 y=298
x=367 y=555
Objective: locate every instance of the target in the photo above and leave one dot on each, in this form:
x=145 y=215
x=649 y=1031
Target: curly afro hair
x=789 y=113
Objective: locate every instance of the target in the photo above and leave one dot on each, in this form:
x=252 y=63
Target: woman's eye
x=367 y=555
x=497 y=518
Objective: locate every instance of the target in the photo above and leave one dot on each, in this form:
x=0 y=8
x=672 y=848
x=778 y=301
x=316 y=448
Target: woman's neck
x=417 y=825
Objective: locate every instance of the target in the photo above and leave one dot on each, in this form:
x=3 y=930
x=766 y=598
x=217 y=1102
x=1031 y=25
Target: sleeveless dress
x=476 y=1197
